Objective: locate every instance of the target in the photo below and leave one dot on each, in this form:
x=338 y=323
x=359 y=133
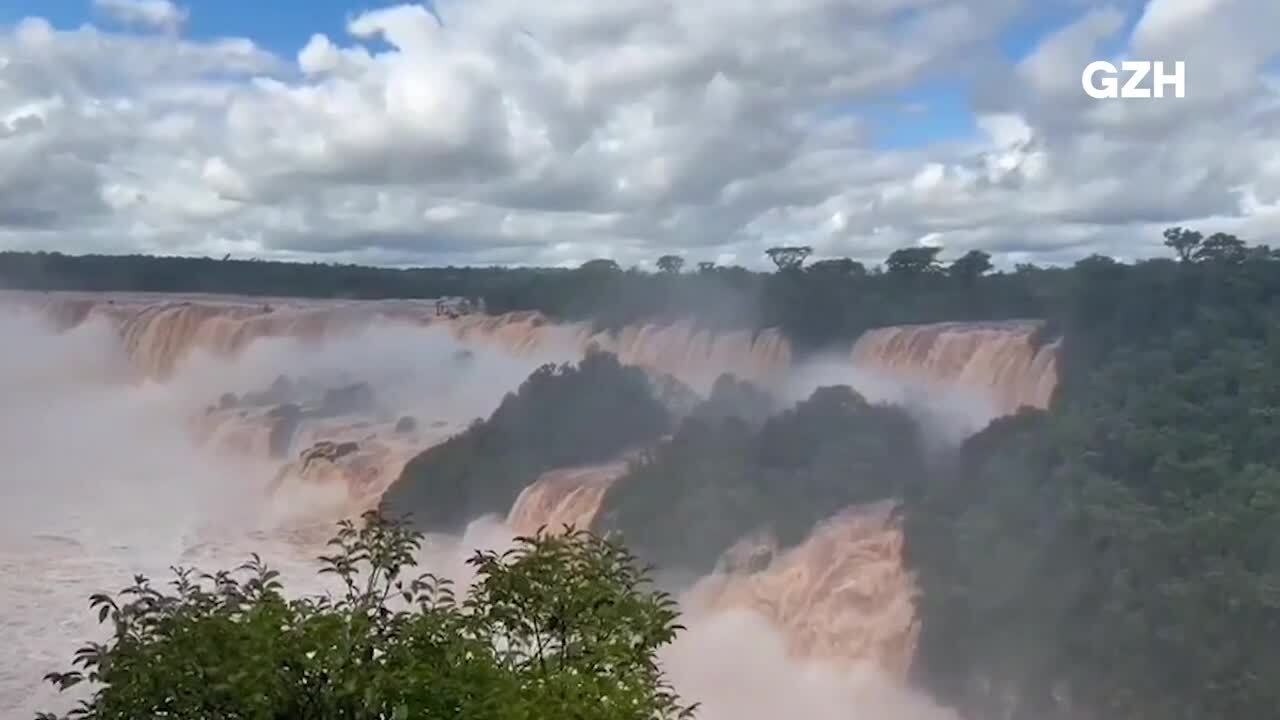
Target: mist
x=103 y=479
x=947 y=415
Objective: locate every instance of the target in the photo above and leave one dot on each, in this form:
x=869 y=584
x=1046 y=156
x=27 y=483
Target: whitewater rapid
x=105 y=478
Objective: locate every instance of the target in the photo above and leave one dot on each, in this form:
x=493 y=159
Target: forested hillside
x=561 y=416
x=1115 y=557
x=1119 y=556
x=723 y=477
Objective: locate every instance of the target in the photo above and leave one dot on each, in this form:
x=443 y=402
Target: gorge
x=255 y=421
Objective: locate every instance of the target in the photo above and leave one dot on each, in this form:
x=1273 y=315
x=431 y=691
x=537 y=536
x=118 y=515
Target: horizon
x=1163 y=253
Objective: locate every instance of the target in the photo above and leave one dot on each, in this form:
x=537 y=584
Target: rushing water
x=104 y=477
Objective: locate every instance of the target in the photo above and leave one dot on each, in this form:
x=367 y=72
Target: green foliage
x=914 y=261
x=720 y=478
x=970 y=266
x=838 y=267
x=830 y=303
x=562 y=626
x=560 y=416
x=602 y=265
x=670 y=263
x=789 y=258
x=821 y=308
x=1116 y=557
x=1183 y=242
x=1221 y=247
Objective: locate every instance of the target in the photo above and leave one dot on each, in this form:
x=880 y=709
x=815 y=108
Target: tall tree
x=970 y=266
x=671 y=264
x=1184 y=242
x=789 y=257
x=1221 y=247
x=914 y=261
x=600 y=265
x=843 y=267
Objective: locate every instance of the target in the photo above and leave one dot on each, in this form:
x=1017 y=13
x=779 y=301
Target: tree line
x=827 y=302
x=824 y=302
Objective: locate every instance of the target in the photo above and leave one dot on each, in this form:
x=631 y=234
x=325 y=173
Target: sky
x=489 y=132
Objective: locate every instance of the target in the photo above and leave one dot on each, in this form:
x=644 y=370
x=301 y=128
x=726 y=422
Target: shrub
x=561 y=626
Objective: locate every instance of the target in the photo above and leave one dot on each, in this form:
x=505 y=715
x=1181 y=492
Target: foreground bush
x=559 y=627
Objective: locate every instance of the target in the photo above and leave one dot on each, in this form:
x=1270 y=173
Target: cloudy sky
x=517 y=132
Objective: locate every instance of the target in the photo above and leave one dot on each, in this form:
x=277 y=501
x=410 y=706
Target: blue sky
x=281 y=25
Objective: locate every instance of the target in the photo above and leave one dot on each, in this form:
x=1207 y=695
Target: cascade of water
x=996 y=359
x=999 y=359
x=842 y=593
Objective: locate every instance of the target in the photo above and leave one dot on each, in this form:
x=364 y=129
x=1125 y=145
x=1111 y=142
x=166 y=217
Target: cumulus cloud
x=492 y=131
x=160 y=14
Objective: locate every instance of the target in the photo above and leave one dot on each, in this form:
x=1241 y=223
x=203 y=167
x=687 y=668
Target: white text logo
x=1101 y=79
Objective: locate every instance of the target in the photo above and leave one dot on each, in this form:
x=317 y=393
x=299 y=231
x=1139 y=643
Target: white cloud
x=158 y=14
x=499 y=131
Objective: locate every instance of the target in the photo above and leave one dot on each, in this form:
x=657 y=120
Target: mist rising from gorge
x=104 y=476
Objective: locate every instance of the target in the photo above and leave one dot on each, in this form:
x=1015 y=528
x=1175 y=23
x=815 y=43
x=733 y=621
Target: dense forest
x=1119 y=555
x=1114 y=557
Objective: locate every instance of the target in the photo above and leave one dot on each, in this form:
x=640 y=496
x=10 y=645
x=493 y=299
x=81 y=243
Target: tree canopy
x=971 y=266
x=670 y=263
x=1115 y=556
x=732 y=470
x=846 y=267
x=913 y=261
x=561 y=626
x=789 y=257
x=560 y=416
